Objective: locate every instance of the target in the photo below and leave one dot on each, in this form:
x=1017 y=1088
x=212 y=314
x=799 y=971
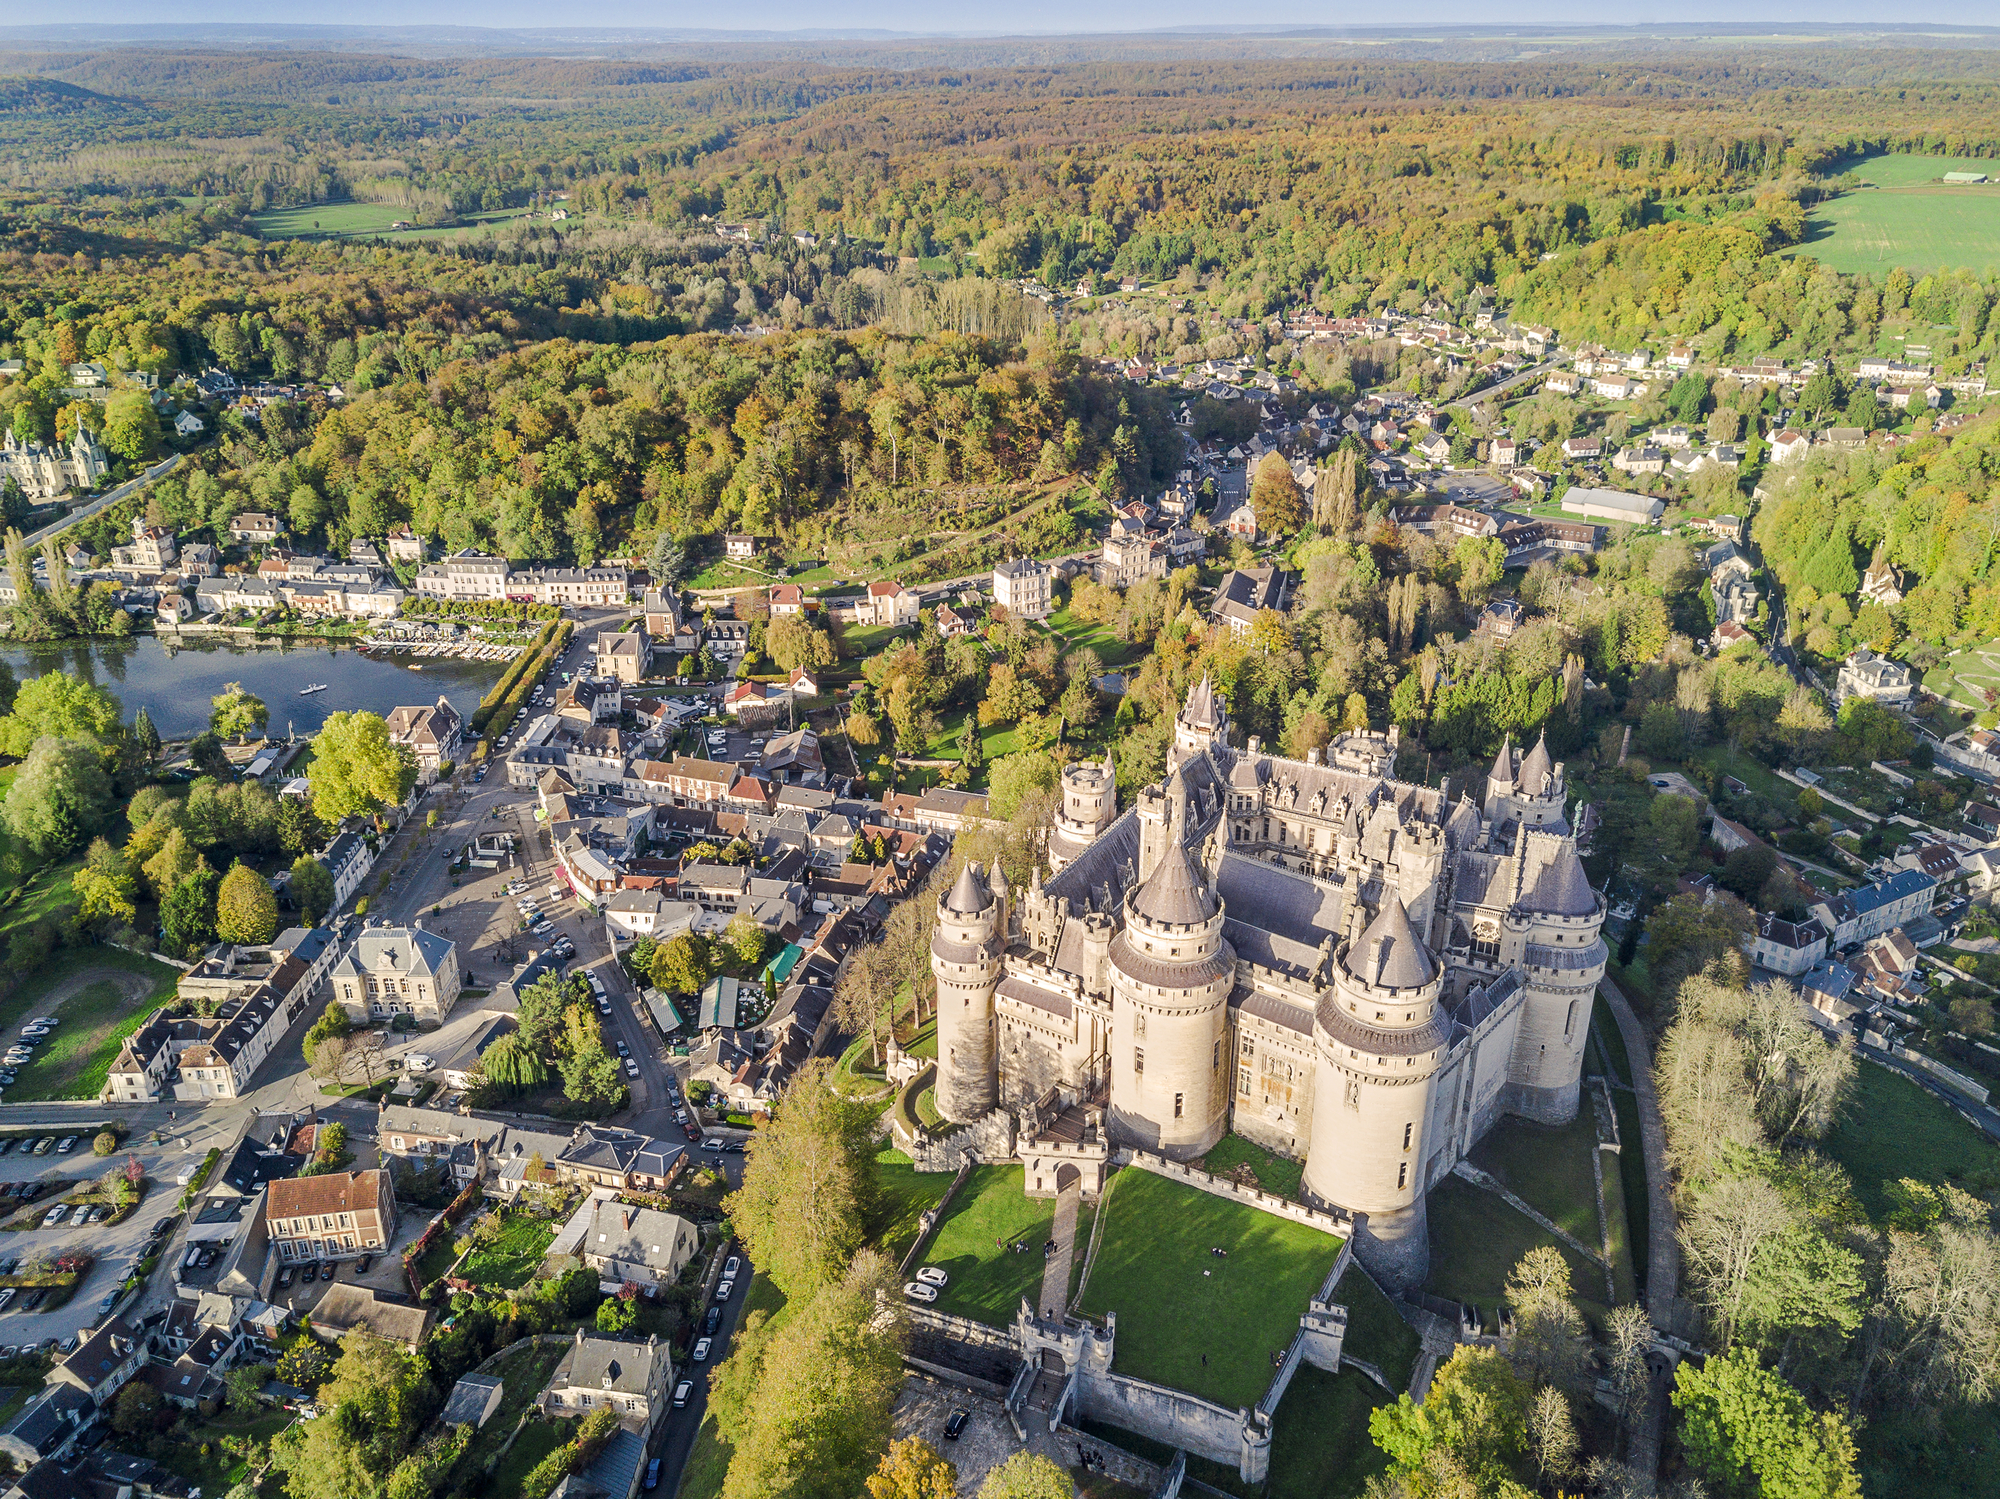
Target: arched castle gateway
x=1339 y=966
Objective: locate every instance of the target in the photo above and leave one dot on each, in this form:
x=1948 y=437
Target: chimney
x=1255 y=742
x=1312 y=756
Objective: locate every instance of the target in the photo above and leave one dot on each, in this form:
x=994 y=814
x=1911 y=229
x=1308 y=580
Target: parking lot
x=117 y=1247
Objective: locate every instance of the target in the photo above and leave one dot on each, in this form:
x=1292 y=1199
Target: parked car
x=309 y=1272
x=417 y=1063
x=6 y=1145
x=726 y=1290
x=731 y=1265
x=5 y=1297
x=681 y=1393
x=285 y=1278
x=44 y=1145
x=631 y=1067
x=68 y=1144
x=930 y=1275
x=361 y=1265
x=55 y=1215
x=31 y=1191
x=916 y=1290
x=713 y=1320
x=98 y=1215
x=35 y=1297
x=701 y=1347
x=624 y=1050
x=954 y=1427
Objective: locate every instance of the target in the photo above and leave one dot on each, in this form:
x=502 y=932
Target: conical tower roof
x=1503 y=763
x=1537 y=767
x=1200 y=711
x=969 y=896
x=1176 y=894
x=1405 y=963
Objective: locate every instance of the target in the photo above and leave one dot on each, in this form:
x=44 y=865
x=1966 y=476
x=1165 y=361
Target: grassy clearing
x=1618 y=1229
x=216 y=1472
x=1549 y=1169
x=902 y=1195
x=974 y=1244
x=1476 y=1239
x=1605 y=1024
x=1891 y=1128
x=1100 y=638
x=1155 y=1270
x=1375 y=1331
x=1321 y=1448
x=536 y=1441
x=46 y=892
x=367 y=220
x=511 y=1260
x=1919 y=226
x=523 y=1372
x=96 y=1019
x=1275 y=1173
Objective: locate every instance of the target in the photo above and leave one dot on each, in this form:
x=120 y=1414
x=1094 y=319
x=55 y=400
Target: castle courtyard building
x=1352 y=971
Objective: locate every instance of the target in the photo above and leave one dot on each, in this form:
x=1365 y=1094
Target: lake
x=174 y=682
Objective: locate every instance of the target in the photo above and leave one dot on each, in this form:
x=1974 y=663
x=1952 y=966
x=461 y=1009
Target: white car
x=681 y=1390
x=631 y=1068
x=916 y=1290
x=418 y=1063
x=726 y=1290
x=701 y=1347
x=930 y=1275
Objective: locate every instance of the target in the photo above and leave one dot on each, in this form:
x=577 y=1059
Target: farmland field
x=364 y=220
x=1908 y=218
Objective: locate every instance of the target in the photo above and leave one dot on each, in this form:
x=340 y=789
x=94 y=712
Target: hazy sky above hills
x=965 y=16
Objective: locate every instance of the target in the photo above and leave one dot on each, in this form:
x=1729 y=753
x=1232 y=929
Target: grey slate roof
x=1405 y=963
x=1176 y=895
x=969 y=896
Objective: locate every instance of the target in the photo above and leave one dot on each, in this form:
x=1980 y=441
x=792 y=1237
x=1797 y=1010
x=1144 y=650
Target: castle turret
x=1530 y=795
x=1203 y=722
x=965 y=960
x=1089 y=805
x=1552 y=935
x=1380 y=1037
x=1171 y=973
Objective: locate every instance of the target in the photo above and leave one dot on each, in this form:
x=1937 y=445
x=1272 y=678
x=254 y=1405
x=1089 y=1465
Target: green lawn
x=510 y=1261
x=536 y=1441
x=365 y=220
x=1154 y=1269
x=1100 y=638
x=1375 y=1330
x=46 y=892
x=1908 y=218
x=988 y=1279
x=1605 y=1024
x=902 y=1195
x=1549 y=1169
x=707 y=1464
x=1320 y=1447
x=73 y=1062
x=1276 y=1174
x=1890 y=1128
x=1476 y=1239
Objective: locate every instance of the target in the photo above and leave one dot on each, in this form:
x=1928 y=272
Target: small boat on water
x=415 y=666
x=309 y=691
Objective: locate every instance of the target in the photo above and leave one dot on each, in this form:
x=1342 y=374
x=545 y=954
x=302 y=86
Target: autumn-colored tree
x=246 y=912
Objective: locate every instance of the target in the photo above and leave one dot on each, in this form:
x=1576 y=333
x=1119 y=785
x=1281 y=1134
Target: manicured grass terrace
x=1187 y=1318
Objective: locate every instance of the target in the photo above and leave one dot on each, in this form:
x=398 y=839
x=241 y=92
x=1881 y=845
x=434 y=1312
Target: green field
x=365 y=221
x=510 y=1261
x=101 y=995
x=974 y=1243
x=1154 y=1269
x=1890 y=1128
x=1908 y=218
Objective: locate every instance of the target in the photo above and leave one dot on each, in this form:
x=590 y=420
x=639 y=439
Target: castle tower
x=1171 y=973
x=1500 y=779
x=1531 y=796
x=965 y=960
x=1552 y=935
x=1089 y=805
x=1380 y=1037
x=1202 y=722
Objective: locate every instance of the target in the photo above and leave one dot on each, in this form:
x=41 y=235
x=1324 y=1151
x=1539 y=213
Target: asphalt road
x=673 y=1438
x=102 y=502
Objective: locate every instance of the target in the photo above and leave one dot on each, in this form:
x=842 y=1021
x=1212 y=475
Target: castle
x=1341 y=967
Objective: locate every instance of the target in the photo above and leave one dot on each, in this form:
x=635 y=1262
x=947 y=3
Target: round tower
x=1380 y=1037
x=1533 y=794
x=1204 y=721
x=1171 y=973
x=965 y=961
x=1552 y=936
x=1089 y=806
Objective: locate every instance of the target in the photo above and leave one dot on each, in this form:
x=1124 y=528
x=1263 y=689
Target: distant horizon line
x=1780 y=28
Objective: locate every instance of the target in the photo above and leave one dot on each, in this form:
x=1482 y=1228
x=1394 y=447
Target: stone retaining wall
x=1337 y=1224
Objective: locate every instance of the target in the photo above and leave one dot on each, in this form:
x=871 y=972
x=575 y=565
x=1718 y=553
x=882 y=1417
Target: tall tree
x=246 y=911
x=235 y=712
x=806 y=1184
x=357 y=768
x=1744 y=1425
x=312 y=889
x=59 y=797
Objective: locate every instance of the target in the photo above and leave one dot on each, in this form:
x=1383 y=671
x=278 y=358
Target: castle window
x=1403 y=1174
x=1243 y=1081
x=1217 y=1060
x=1177 y=1106
x=1408 y=1129
x=1138 y=1059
